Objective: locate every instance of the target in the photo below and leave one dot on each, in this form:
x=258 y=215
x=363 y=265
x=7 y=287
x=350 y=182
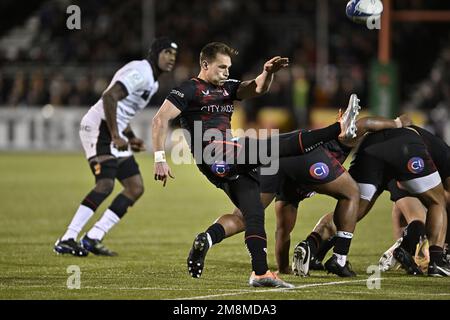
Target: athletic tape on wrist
x=160 y=156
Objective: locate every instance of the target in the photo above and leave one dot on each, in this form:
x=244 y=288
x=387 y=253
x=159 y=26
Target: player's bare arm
x=373 y=124
x=110 y=98
x=160 y=126
x=261 y=84
x=370 y=124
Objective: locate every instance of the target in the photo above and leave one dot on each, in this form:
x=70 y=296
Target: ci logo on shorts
x=319 y=170
x=220 y=168
x=416 y=165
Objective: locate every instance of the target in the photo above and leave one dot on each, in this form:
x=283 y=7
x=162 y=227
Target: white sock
x=79 y=220
x=345 y=234
x=341 y=259
x=209 y=239
x=106 y=222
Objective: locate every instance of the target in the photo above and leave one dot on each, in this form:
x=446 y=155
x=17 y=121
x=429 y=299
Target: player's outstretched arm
x=261 y=84
x=372 y=124
x=160 y=127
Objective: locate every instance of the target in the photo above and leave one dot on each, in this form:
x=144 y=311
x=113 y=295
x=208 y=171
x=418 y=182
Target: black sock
x=324 y=247
x=257 y=247
x=301 y=141
x=120 y=205
x=447 y=237
x=314 y=239
x=312 y=139
x=436 y=254
x=94 y=199
x=342 y=245
x=216 y=232
x=411 y=236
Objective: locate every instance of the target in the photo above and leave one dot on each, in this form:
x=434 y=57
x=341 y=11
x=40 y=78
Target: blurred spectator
x=73 y=67
x=37 y=93
x=17 y=95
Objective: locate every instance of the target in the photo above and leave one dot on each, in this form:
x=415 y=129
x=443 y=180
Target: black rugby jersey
x=210 y=105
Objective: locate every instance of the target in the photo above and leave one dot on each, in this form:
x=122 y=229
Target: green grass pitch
x=40 y=192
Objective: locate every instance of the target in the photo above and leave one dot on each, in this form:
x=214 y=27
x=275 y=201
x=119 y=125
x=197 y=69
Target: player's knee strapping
x=94 y=199
x=120 y=205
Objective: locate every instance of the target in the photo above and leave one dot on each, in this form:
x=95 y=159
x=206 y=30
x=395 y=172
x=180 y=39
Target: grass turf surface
x=40 y=193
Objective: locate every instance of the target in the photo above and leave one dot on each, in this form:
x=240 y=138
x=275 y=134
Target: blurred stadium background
x=50 y=75
x=47 y=71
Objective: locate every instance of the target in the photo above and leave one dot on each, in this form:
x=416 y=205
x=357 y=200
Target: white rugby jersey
x=137 y=77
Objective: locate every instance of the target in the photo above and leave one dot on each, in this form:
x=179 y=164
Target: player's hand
x=275 y=64
x=406 y=121
x=136 y=144
x=162 y=172
x=120 y=143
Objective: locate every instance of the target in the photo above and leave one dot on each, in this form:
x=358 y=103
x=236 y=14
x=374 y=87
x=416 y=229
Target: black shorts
x=439 y=151
x=284 y=188
x=317 y=167
x=293 y=193
x=297 y=174
x=398 y=154
x=270 y=183
x=128 y=167
x=218 y=181
x=115 y=168
x=395 y=192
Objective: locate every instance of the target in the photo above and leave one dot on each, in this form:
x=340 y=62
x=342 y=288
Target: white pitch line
x=277 y=289
x=119 y=288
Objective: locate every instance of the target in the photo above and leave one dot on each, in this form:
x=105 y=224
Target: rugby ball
x=360 y=11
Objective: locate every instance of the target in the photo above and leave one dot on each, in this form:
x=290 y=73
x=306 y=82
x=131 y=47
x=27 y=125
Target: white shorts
x=96 y=139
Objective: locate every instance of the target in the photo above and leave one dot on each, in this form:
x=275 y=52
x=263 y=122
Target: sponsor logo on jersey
x=416 y=165
x=178 y=93
x=319 y=171
x=218 y=108
x=225 y=93
x=205 y=93
x=134 y=78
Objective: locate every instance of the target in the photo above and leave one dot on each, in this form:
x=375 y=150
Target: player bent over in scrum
x=108 y=142
x=410 y=164
x=408 y=213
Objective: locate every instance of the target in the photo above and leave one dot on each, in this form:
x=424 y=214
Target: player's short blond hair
x=210 y=51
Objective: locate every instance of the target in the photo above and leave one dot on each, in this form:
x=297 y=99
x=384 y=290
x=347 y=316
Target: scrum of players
x=415 y=171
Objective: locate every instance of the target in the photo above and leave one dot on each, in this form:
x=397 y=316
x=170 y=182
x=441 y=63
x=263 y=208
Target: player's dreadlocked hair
x=210 y=51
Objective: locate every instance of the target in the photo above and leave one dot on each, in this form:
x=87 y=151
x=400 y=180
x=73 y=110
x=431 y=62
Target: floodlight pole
x=389 y=16
x=384 y=36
